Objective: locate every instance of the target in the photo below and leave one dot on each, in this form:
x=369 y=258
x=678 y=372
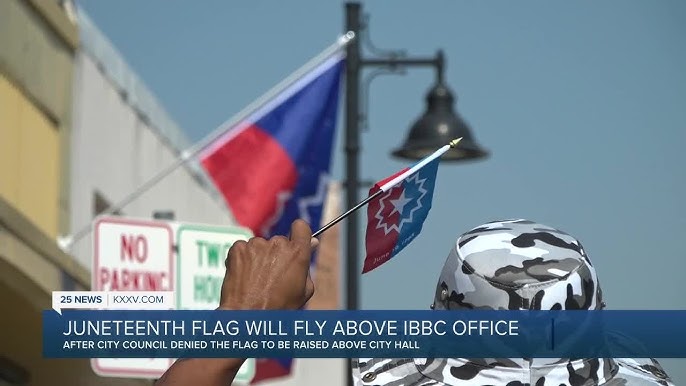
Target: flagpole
x=347 y=213
x=65 y=242
x=387 y=186
x=420 y=164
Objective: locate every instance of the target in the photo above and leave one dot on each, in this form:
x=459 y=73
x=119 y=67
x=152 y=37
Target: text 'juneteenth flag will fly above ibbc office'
x=369 y=333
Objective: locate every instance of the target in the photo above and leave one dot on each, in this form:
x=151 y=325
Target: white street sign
x=201 y=251
x=132 y=255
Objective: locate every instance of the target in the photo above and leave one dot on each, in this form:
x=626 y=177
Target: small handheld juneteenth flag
x=396 y=216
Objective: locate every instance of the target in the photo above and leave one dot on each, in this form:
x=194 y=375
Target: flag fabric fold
x=396 y=217
x=273 y=167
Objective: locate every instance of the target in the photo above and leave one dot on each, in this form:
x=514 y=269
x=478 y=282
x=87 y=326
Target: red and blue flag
x=396 y=217
x=274 y=167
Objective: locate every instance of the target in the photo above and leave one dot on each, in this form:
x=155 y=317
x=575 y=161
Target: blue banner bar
x=351 y=334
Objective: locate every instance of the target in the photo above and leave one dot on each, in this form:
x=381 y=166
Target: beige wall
x=29 y=158
x=36 y=59
x=36 y=56
x=37 y=43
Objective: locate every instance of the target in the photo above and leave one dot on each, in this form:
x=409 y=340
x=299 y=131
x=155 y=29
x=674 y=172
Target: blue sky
x=582 y=105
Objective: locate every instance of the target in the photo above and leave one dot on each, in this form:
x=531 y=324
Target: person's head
x=517 y=265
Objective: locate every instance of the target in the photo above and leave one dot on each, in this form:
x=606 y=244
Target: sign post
x=132 y=255
x=202 y=250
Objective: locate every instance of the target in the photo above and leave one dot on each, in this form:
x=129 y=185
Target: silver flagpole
x=65 y=242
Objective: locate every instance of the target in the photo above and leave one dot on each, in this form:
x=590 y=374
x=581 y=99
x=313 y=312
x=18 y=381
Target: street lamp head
x=437 y=127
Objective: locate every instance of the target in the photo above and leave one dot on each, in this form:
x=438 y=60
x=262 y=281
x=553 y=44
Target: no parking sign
x=132 y=255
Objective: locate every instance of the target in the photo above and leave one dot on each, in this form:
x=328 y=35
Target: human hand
x=270 y=274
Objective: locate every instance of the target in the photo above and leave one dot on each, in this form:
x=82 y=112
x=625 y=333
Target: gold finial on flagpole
x=455 y=141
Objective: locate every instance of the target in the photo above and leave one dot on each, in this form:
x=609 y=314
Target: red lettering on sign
x=134 y=247
x=133 y=280
x=104 y=277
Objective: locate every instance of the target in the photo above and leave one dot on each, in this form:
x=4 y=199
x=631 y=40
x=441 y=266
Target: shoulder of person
x=386 y=371
x=642 y=371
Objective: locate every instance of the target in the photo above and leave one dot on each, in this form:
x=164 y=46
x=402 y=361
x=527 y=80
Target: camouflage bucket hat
x=517 y=265
x=514 y=265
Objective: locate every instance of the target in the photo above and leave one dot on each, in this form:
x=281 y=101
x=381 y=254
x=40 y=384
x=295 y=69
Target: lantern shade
x=439 y=125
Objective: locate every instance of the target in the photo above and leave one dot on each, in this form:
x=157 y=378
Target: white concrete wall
x=114 y=151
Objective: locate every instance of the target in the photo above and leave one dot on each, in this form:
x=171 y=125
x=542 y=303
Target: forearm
x=201 y=372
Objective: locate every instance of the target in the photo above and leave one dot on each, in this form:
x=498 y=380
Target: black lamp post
x=436 y=127
x=439 y=125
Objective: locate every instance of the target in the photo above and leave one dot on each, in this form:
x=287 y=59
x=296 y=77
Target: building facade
x=38 y=42
x=121 y=137
x=78 y=132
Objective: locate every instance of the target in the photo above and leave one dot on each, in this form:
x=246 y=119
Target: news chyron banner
x=156 y=286
x=141 y=264
x=137 y=334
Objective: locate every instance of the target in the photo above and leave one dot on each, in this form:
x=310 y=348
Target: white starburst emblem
x=399 y=204
x=317 y=199
x=304 y=203
x=281 y=200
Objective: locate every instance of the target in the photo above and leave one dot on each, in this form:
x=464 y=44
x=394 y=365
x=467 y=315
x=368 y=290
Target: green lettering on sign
x=200 y=245
x=213 y=253
x=207 y=288
x=202 y=250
